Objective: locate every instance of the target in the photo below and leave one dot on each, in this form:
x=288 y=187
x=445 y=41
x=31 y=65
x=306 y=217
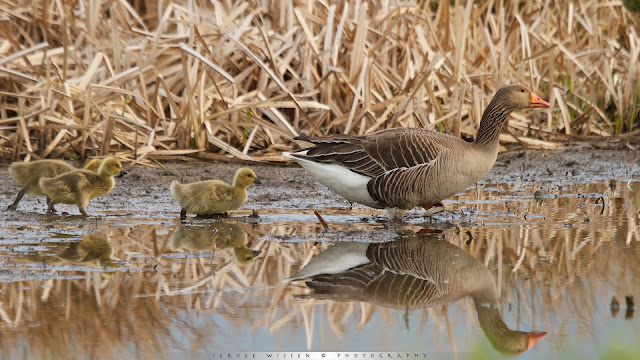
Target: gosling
x=213 y=196
x=79 y=186
x=216 y=236
x=28 y=175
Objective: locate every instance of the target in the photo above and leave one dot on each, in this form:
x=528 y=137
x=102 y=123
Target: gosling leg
x=50 y=208
x=14 y=206
x=53 y=209
x=82 y=211
x=183 y=214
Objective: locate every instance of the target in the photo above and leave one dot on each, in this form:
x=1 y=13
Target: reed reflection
x=415 y=271
x=213 y=237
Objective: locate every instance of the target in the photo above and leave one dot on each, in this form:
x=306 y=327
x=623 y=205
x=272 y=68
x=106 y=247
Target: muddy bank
x=146 y=190
x=559 y=237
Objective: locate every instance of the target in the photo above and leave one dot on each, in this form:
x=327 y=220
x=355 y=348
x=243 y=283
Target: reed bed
x=239 y=79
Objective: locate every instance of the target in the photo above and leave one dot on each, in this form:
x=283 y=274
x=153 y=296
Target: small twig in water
x=324 y=223
x=601 y=199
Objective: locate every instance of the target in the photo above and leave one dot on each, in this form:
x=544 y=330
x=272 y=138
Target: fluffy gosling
x=213 y=196
x=28 y=175
x=79 y=186
x=216 y=236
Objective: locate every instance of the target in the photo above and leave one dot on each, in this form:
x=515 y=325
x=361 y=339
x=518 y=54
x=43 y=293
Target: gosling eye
x=521 y=90
x=249 y=175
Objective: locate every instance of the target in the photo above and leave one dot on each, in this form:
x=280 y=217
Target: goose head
x=245 y=177
x=516 y=342
x=518 y=97
x=506 y=99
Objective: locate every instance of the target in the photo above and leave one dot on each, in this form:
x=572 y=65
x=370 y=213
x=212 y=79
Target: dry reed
x=241 y=78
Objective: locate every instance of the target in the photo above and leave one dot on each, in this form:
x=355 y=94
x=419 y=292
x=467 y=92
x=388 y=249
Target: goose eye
x=521 y=90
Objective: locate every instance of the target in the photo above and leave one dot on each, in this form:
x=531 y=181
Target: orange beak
x=534 y=337
x=536 y=102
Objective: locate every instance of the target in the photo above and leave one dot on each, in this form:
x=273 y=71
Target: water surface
x=129 y=282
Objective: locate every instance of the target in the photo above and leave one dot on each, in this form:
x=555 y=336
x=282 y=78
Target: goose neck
x=489 y=317
x=493 y=118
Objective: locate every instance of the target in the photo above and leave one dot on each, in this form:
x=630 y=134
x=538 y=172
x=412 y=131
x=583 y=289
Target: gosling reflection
x=413 y=272
x=216 y=236
x=92 y=250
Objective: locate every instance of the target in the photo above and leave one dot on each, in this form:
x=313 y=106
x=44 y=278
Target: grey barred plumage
x=399 y=169
x=414 y=271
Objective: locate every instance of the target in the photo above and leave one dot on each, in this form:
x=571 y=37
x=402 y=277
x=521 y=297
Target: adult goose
x=400 y=169
x=413 y=272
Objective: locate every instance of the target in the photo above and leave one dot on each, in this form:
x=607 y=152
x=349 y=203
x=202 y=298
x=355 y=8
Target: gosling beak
x=123 y=172
x=534 y=337
x=256 y=253
x=536 y=102
x=257 y=181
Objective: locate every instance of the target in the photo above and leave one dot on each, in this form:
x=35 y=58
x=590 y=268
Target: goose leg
x=14 y=206
x=405 y=317
x=183 y=214
x=395 y=214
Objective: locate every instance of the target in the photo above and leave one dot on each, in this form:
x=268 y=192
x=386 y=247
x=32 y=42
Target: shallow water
x=134 y=282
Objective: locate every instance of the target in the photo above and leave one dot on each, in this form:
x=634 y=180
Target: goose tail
x=294 y=155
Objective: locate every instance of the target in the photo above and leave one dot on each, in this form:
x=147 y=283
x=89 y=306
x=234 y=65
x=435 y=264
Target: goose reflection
x=417 y=271
x=92 y=250
x=215 y=236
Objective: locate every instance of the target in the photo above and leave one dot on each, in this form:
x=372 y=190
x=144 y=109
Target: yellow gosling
x=79 y=186
x=93 y=165
x=216 y=236
x=213 y=196
x=28 y=175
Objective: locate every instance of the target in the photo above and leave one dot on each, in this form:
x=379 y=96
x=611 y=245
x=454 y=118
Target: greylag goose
x=79 y=186
x=217 y=236
x=400 y=169
x=413 y=272
x=213 y=196
x=28 y=175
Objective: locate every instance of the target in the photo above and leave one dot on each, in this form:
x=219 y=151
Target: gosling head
x=518 y=97
x=244 y=255
x=93 y=165
x=110 y=167
x=245 y=177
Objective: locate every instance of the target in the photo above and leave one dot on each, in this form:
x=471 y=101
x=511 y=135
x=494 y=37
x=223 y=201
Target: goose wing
x=375 y=154
x=222 y=192
x=374 y=283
